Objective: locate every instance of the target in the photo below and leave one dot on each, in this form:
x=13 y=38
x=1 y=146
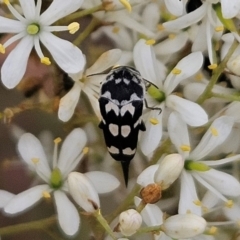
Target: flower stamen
x=115 y=29
x=176 y=71
x=185 y=148
x=219 y=28
x=153 y=121
x=150 y=42
x=212 y=66
x=197 y=202
x=229 y=204
x=35 y=160
x=46 y=61
x=73 y=27
x=214 y=132
x=212 y=230
x=2 y=49
x=85 y=150
x=46 y=195
x=126 y=4
x=171 y=36
x=6 y=2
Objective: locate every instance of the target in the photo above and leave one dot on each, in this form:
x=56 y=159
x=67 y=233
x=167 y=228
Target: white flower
x=151 y=70
x=34 y=28
x=5 y=197
x=217 y=182
x=54 y=174
x=129 y=222
x=88 y=81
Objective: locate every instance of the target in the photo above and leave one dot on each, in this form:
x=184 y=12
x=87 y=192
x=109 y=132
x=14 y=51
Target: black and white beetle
x=121 y=104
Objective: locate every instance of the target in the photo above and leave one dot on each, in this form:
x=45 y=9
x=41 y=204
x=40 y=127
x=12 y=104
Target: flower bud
x=129 y=222
x=151 y=193
x=169 y=170
x=234 y=65
x=184 y=226
x=83 y=192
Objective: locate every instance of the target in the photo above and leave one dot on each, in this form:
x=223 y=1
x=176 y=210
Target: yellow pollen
x=160 y=27
x=171 y=36
x=212 y=230
x=2 y=49
x=6 y=2
x=73 y=27
x=115 y=29
x=46 y=194
x=154 y=121
x=85 y=150
x=199 y=77
x=150 y=42
x=185 y=148
x=212 y=66
x=126 y=4
x=219 y=28
x=197 y=202
x=57 y=140
x=214 y=132
x=46 y=61
x=229 y=203
x=205 y=209
x=188 y=211
x=176 y=71
x=35 y=160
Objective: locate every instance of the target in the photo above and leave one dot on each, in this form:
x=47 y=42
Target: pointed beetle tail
x=125 y=169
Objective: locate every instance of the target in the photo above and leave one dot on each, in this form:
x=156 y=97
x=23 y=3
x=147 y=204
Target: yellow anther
x=154 y=121
x=150 y=42
x=85 y=150
x=214 y=131
x=212 y=230
x=45 y=60
x=126 y=4
x=35 y=160
x=188 y=211
x=2 y=49
x=115 y=29
x=229 y=203
x=185 y=148
x=171 y=36
x=57 y=140
x=212 y=66
x=197 y=202
x=46 y=194
x=6 y=2
x=205 y=209
x=176 y=71
x=73 y=27
x=199 y=77
x=160 y=27
x=219 y=28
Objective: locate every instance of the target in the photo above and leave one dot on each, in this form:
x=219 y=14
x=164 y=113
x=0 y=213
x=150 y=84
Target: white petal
x=83 y=192
x=209 y=200
x=71 y=150
x=178 y=133
x=10 y=26
x=105 y=61
x=147 y=176
x=174 y=7
x=188 y=196
x=69 y=102
x=66 y=55
x=5 y=197
x=188 y=66
x=68 y=216
x=222 y=182
x=31 y=148
x=230 y=8
x=28 y=8
x=233 y=212
x=191 y=113
x=59 y=9
x=221 y=127
x=26 y=199
x=186 y=20
x=15 y=65
x=103 y=182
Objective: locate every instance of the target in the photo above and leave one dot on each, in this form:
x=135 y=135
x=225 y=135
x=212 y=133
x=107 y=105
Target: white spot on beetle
x=113 y=150
x=126 y=81
x=129 y=107
x=118 y=80
x=125 y=130
x=129 y=151
x=113 y=128
x=111 y=106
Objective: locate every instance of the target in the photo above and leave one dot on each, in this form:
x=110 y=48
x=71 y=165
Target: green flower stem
x=104 y=223
x=83 y=13
x=227 y=97
x=87 y=31
x=29 y=226
x=216 y=74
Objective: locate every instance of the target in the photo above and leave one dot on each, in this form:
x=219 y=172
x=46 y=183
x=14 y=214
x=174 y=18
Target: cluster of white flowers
x=181 y=48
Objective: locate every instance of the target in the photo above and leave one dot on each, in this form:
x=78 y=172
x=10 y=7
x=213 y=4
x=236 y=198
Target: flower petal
x=233 y=212
x=147 y=176
x=71 y=150
x=188 y=66
x=15 y=65
x=68 y=216
x=215 y=135
x=5 y=197
x=175 y=7
x=105 y=61
x=191 y=113
x=26 y=199
x=103 y=182
x=59 y=9
x=230 y=8
x=30 y=149
x=69 y=102
x=66 y=55
x=10 y=26
x=28 y=8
